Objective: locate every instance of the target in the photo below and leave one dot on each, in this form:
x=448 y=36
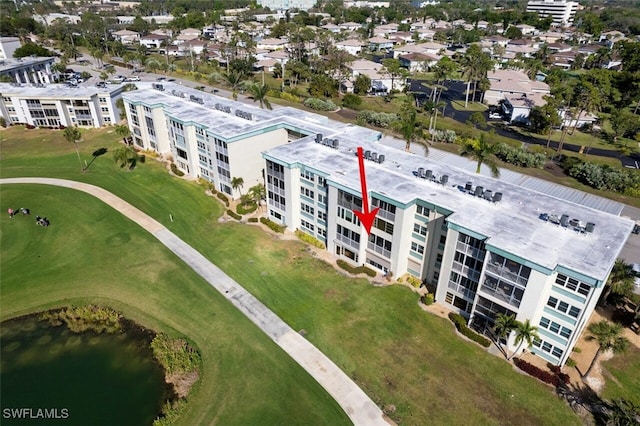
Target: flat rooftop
x=513 y=224
x=13 y=63
x=56 y=91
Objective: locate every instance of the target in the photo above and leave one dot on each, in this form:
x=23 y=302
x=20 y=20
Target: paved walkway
x=358 y=406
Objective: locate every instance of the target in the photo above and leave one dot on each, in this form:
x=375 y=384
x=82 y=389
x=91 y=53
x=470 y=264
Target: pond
x=53 y=376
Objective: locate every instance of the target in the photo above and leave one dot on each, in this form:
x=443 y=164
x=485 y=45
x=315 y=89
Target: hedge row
x=234 y=215
x=553 y=378
x=461 y=325
x=271 y=224
x=246 y=209
x=378 y=119
x=355 y=269
x=176 y=171
x=253 y=220
x=224 y=198
x=605 y=177
x=309 y=239
x=319 y=104
x=520 y=157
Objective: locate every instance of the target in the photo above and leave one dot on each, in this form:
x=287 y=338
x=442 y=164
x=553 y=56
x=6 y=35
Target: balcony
x=464 y=291
x=471 y=251
x=466 y=271
x=504 y=272
x=348 y=241
x=381 y=251
x=502 y=291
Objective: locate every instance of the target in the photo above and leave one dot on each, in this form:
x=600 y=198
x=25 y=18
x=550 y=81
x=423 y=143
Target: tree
x=502 y=327
x=622 y=121
x=477 y=120
x=31 y=49
x=152 y=64
x=259 y=93
x=513 y=32
x=621 y=412
x=608 y=337
x=237 y=183
x=73 y=135
x=407 y=124
x=257 y=193
x=525 y=333
x=483 y=152
x=362 y=84
x=124 y=131
x=233 y=79
x=394 y=69
x=125 y=156
x=621 y=280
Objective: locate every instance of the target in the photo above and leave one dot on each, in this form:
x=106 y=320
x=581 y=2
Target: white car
x=118 y=79
x=495 y=116
x=133 y=78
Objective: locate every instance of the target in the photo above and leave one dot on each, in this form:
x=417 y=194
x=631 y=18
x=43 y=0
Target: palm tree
x=503 y=326
x=621 y=280
x=153 y=65
x=237 y=183
x=126 y=156
x=608 y=337
x=525 y=332
x=123 y=130
x=407 y=124
x=257 y=193
x=73 y=135
x=622 y=412
x=233 y=79
x=483 y=152
x=259 y=93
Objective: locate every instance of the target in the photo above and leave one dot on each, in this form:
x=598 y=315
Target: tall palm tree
x=483 y=152
x=502 y=327
x=259 y=94
x=237 y=183
x=73 y=135
x=525 y=333
x=152 y=64
x=620 y=280
x=257 y=193
x=608 y=337
x=407 y=124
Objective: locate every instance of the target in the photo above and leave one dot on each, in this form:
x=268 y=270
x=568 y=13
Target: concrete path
x=358 y=406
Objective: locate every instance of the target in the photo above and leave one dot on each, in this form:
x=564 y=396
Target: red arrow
x=365 y=216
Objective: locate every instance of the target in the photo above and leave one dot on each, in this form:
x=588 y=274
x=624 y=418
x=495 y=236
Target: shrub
x=351 y=101
x=568 y=163
x=246 y=208
x=290 y=97
x=427 y=299
x=234 y=215
x=570 y=362
x=519 y=156
x=461 y=324
x=253 y=220
x=83 y=318
x=272 y=225
x=605 y=177
x=552 y=378
x=576 y=349
x=444 y=136
x=415 y=282
x=176 y=171
x=175 y=355
x=3 y=122
x=30 y=126
x=378 y=119
x=309 y=239
x=224 y=198
x=355 y=269
x=319 y=104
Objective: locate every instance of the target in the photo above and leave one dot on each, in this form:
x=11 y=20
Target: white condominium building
x=562 y=11
x=515 y=245
x=28 y=70
x=56 y=105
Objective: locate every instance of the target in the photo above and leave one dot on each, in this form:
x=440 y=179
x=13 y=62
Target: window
x=383 y=225
x=419 y=229
x=322 y=181
x=564 y=307
x=181 y=153
x=422 y=211
x=322 y=199
x=102 y=100
x=306 y=174
x=573 y=285
x=443 y=239
x=307 y=192
x=306 y=208
x=552 y=302
x=574 y=312
x=322 y=215
x=307 y=225
x=417 y=248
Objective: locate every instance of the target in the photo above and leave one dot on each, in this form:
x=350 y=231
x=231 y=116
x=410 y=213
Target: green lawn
x=91 y=254
x=397 y=353
x=623 y=378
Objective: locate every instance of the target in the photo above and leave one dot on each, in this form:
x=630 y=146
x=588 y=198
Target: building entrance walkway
x=356 y=404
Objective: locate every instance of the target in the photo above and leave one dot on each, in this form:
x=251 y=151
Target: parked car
x=133 y=78
x=495 y=116
x=118 y=79
x=101 y=84
x=161 y=78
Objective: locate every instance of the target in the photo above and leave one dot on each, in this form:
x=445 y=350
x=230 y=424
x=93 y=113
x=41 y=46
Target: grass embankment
x=399 y=355
x=623 y=376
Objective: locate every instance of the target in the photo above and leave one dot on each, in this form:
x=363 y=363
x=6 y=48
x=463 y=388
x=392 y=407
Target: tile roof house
x=517 y=93
x=126 y=36
x=418 y=62
x=351 y=46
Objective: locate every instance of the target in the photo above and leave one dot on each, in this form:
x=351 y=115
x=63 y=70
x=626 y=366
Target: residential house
x=351 y=46
x=272 y=44
x=126 y=36
x=418 y=62
x=377 y=44
x=516 y=92
x=154 y=41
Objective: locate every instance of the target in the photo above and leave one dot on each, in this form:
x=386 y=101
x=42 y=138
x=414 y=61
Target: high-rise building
x=562 y=11
x=514 y=245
